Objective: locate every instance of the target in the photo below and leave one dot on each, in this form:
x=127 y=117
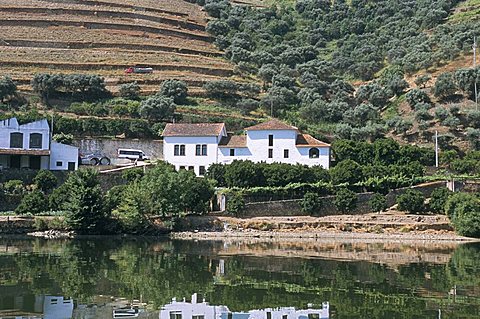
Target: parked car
x=132 y=154
x=138 y=69
x=94 y=159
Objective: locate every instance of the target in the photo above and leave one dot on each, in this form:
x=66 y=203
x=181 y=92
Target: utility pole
x=271 y=108
x=474 y=66
x=436 y=148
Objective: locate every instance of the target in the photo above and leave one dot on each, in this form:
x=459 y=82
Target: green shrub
x=311 y=203
x=438 y=199
x=378 y=203
x=455 y=201
x=33 y=203
x=235 y=203
x=45 y=181
x=466 y=216
x=14 y=186
x=411 y=201
x=130 y=91
x=345 y=200
x=175 y=89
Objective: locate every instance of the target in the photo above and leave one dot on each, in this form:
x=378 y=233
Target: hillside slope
x=105 y=37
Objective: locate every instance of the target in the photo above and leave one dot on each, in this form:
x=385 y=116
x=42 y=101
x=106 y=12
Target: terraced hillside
x=106 y=37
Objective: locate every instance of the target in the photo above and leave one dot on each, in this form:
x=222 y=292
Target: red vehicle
x=138 y=69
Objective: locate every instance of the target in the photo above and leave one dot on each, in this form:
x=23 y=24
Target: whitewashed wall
x=64 y=154
x=11 y=126
x=190 y=159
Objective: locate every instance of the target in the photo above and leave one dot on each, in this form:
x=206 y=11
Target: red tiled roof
x=306 y=140
x=233 y=141
x=9 y=151
x=197 y=129
x=273 y=124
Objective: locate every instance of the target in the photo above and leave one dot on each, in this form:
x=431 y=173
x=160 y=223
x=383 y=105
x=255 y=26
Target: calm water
x=357 y=280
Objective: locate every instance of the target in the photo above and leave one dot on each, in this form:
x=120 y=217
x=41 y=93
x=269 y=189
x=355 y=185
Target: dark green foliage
x=347 y=171
x=33 y=203
x=311 y=203
x=175 y=89
x=130 y=91
x=162 y=191
x=216 y=172
x=345 y=200
x=7 y=88
x=235 y=203
x=84 y=87
x=421 y=80
x=244 y=174
x=464 y=212
x=444 y=86
x=411 y=201
x=132 y=174
x=438 y=199
x=372 y=93
x=45 y=181
x=378 y=203
x=157 y=108
x=114 y=197
x=473 y=136
x=465 y=80
x=415 y=96
x=83 y=201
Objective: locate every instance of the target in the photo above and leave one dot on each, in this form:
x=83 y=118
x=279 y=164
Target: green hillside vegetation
x=357 y=70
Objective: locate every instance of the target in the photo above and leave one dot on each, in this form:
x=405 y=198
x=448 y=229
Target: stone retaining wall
x=292 y=207
x=109 y=147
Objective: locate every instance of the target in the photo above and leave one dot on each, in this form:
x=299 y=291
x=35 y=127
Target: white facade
x=194 y=310
x=270 y=142
x=63 y=157
x=30 y=146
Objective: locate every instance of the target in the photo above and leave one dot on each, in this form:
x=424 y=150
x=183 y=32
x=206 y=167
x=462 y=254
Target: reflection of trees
x=160 y=270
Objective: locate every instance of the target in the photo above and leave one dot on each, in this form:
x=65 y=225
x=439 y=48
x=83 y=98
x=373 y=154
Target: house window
x=59 y=163
x=284 y=316
x=313 y=316
x=35 y=140
x=270 y=140
x=198 y=317
x=181 y=167
x=232 y=152
x=201 y=170
x=285 y=154
x=175 y=315
x=269 y=315
x=179 y=150
x=313 y=153
x=270 y=153
x=201 y=149
x=191 y=168
x=16 y=140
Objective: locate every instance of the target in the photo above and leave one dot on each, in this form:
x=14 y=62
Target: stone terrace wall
x=293 y=208
x=109 y=147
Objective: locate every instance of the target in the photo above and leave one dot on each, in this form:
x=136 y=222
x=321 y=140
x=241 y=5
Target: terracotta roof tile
x=10 y=151
x=306 y=140
x=273 y=124
x=233 y=141
x=197 y=129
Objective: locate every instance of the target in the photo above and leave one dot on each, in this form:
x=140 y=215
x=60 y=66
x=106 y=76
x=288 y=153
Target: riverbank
x=391 y=227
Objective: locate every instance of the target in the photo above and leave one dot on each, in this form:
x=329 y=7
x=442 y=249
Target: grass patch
x=392 y=108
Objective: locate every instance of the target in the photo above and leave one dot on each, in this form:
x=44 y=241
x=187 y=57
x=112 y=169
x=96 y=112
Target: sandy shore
x=326 y=236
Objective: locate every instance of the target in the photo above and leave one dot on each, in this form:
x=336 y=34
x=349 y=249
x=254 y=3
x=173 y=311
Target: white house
x=203 y=310
x=270 y=142
x=30 y=146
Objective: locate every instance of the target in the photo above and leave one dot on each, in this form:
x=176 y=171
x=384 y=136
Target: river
x=237 y=279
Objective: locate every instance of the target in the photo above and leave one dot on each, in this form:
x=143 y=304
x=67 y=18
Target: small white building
x=197 y=146
x=30 y=146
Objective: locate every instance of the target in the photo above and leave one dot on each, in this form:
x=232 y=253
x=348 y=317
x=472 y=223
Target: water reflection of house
x=203 y=310
x=36 y=307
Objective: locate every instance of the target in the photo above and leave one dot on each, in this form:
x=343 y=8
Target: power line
x=474 y=67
